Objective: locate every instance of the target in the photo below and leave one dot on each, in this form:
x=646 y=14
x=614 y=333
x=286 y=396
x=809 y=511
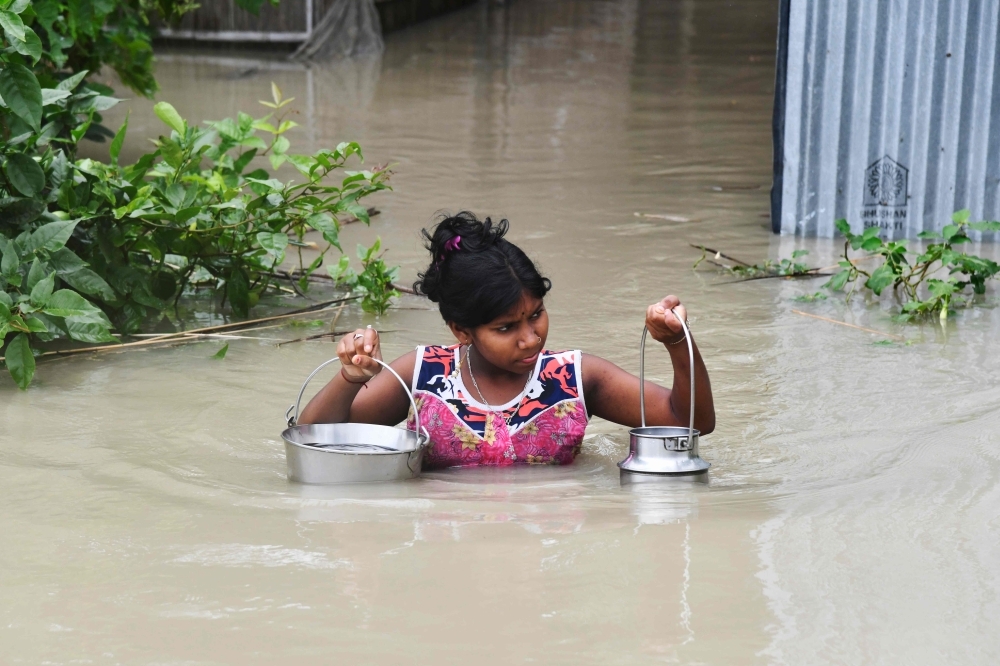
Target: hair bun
x=475 y=274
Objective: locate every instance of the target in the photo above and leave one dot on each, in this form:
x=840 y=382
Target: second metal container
x=663 y=450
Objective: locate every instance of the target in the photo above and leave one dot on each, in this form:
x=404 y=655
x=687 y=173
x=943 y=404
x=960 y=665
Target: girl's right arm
x=360 y=392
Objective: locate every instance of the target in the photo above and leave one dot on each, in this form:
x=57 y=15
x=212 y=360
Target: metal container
x=328 y=453
x=662 y=450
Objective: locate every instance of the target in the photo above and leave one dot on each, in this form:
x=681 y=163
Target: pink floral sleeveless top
x=546 y=423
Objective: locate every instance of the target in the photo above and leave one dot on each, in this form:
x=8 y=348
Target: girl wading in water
x=499 y=397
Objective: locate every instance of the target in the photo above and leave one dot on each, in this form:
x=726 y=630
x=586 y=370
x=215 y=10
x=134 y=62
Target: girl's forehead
x=525 y=307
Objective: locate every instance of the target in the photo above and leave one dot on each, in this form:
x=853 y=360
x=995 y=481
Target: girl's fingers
x=678 y=315
x=370 y=340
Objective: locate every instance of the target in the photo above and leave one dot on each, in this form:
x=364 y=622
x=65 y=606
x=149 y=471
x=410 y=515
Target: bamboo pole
x=180 y=335
x=844 y=323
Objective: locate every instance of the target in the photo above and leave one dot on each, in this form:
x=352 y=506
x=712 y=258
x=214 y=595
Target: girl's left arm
x=613 y=394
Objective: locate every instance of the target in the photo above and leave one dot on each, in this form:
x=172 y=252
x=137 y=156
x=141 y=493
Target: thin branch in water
x=718 y=254
x=180 y=335
x=844 y=323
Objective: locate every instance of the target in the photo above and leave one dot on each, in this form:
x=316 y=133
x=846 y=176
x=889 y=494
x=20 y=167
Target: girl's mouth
x=530 y=360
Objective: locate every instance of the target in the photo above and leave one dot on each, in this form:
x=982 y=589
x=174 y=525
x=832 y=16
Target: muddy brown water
x=852 y=514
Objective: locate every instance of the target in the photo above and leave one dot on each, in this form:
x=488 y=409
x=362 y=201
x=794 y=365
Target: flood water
x=852 y=513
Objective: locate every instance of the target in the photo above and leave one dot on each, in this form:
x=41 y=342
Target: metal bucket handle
x=642 y=372
x=422 y=435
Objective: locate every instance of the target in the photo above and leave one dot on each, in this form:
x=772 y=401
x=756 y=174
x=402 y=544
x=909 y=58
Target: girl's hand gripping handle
x=356 y=351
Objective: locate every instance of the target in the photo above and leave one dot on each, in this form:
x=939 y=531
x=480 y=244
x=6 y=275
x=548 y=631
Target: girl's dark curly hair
x=475 y=274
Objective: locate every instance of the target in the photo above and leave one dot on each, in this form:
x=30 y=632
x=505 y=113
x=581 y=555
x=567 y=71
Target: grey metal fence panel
x=891 y=115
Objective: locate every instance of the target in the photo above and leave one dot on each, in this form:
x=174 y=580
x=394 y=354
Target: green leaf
x=30 y=46
x=91 y=332
x=21 y=92
x=843 y=227
x=18 y=6
x=51 y=236
x=17 y=211
x=119 y=140
x=10 y=262
x=66 y=303
x=71 y=82
x=273 y=243
x=36 y=325
x=881 y=278
x=42 y=290
x=243 y=160
x=326 y=225
x=64 y=261
x=871 y=244
x=12 y=25
x=35 y=273
x=221 y=354
x=5 y=299
x=359 y=212
x=24 y=174
x=961 y=216
x=5 y=315
x=186 y=214
x=20 y=361
x=281 y=146
x=168 y=114
x=54 y=95
x=838 y=281
x=949 y=231
x=90 y=283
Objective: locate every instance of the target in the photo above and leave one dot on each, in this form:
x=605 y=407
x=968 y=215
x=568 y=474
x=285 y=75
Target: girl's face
x=513 y=340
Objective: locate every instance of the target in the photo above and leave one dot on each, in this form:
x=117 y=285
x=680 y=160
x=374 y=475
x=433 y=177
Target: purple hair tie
x=450 y=246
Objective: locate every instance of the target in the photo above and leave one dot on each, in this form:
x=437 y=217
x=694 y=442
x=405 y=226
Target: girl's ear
x=462 y=334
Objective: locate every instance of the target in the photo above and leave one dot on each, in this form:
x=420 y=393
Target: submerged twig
x=718 y=254
x=328 y=334
x=793 y=276
x=844 y=323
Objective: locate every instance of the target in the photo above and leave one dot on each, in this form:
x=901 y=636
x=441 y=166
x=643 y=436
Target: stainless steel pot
x=663 y=450
x=352 y=452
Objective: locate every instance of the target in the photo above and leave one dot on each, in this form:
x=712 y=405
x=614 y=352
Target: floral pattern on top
x=546 y=425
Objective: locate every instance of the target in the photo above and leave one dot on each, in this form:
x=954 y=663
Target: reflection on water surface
x=851 y=515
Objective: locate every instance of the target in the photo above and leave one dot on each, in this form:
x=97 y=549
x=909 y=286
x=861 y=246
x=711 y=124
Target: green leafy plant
x=912 y=276
x=33 y=267
x=195 y=210
x=374 y=281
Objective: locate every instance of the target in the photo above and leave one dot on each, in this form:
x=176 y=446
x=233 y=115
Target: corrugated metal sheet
x=888 y=114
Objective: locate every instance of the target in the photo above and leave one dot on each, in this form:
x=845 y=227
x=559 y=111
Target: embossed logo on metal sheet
x=886 y=195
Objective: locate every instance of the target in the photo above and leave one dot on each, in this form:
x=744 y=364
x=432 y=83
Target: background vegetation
x=88 y=247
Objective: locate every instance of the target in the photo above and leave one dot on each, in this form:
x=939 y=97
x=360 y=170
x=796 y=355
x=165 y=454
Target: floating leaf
x=222 y=352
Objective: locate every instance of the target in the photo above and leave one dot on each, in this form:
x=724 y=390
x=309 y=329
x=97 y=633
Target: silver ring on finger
x=358 y=335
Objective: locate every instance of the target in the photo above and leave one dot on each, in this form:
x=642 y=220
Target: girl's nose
x=529 y=339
